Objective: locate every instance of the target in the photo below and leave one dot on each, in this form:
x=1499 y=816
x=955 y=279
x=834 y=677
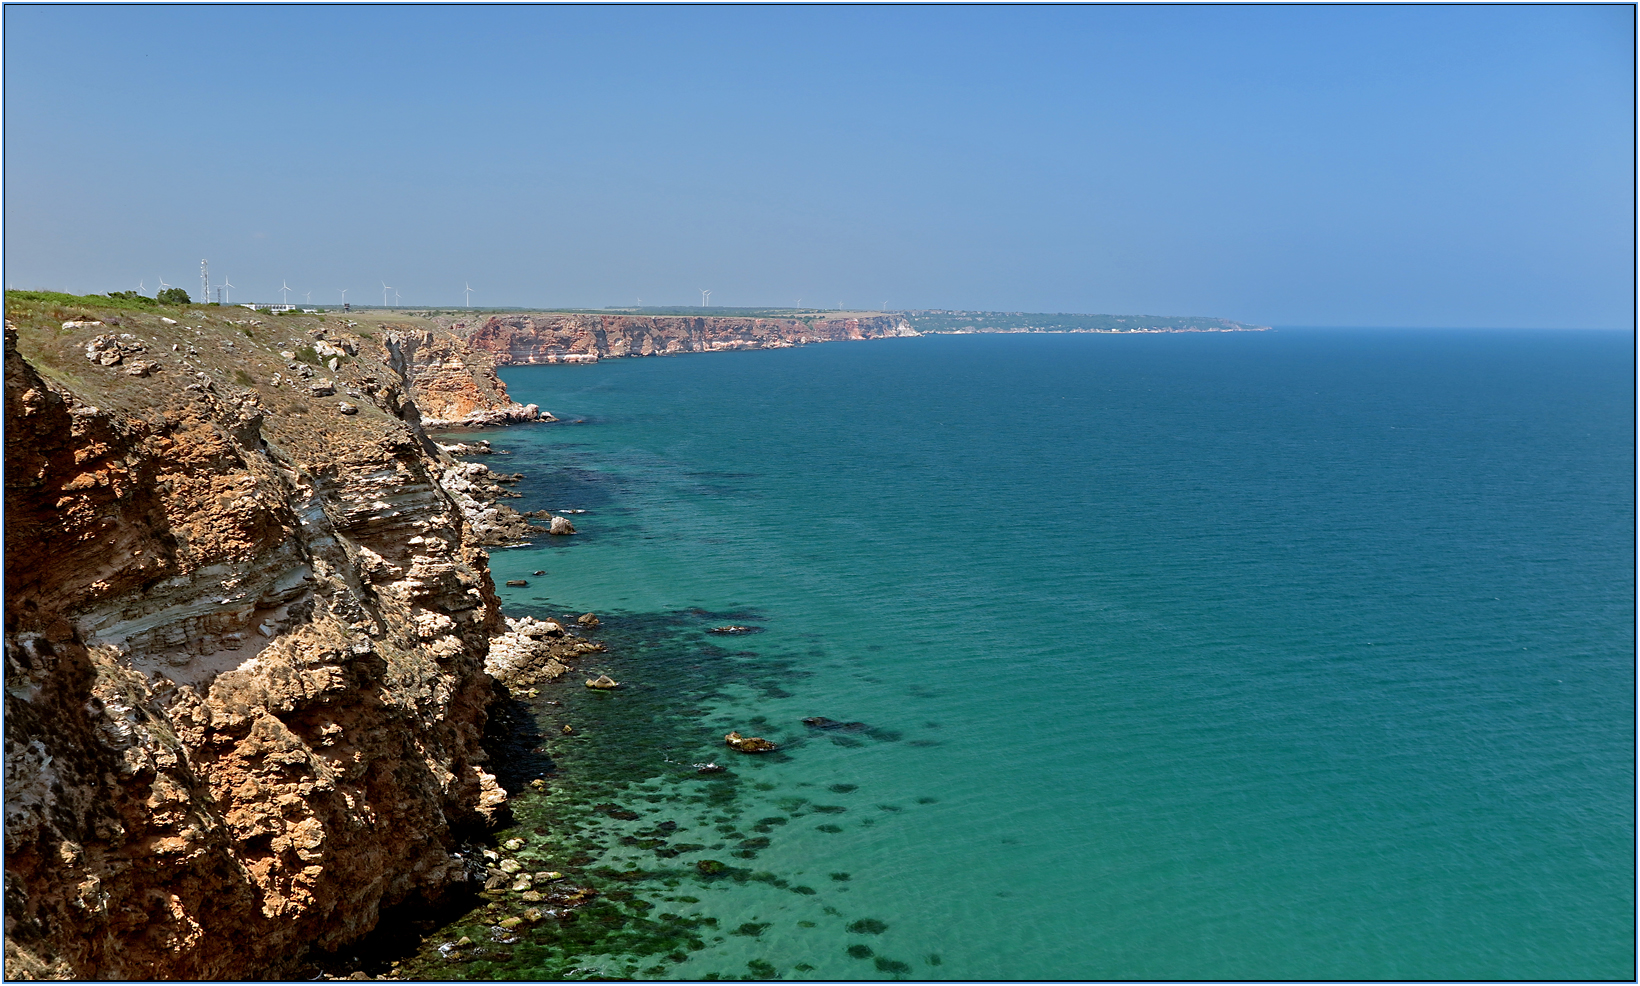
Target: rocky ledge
x=246 y=635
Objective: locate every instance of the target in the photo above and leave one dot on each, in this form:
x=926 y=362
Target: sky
x=1284 y=165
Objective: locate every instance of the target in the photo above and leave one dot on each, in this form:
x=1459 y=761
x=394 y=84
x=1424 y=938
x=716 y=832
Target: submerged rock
x=821 y=722
x=518 y=582
x=734 y=629
x=603 y=682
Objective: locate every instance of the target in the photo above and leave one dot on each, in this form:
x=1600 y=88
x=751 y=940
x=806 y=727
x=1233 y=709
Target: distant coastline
x=954 y=322
x=548 y=337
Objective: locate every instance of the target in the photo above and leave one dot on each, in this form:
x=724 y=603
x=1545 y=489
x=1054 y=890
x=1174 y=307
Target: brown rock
x=748 y=744
x=177 y=809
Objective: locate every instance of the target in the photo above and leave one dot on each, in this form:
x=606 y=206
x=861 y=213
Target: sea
x=1299 y=654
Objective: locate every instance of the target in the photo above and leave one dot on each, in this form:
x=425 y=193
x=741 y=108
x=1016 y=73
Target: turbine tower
x=284 y=292
x=705 y=296
x=205 y=282
x=469 y=293
x=227 y=286
x=385 y=289
x=344 y=295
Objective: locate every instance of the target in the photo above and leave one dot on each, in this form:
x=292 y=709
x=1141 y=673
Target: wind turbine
x=284 y=292
x=227 y=285
x=142 y=286
x=469 y=293
x=344 y=294
x=395 y=297
x=162 y=286
x=385 y=289
x=705 y=296
x=308 y=297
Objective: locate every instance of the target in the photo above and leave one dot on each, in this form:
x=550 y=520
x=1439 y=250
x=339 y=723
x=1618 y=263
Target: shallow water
x=1291 y=655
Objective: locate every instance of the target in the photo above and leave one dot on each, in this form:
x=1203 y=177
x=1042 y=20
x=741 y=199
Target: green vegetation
x=243 y=379
x=118 y=300
x=172 y=296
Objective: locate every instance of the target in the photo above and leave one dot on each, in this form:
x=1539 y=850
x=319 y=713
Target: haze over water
x=1300 y=654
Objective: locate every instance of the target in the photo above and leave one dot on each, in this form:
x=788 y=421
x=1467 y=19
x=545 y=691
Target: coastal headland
x=253 y=643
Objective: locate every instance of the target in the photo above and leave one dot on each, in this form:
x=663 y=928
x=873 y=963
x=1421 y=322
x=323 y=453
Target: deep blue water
x=1300 y=654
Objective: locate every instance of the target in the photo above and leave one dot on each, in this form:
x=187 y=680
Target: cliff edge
x=245 y=634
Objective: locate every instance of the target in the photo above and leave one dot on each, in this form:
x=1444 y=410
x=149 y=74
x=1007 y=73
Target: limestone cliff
x=570 y=338
x=245 y=633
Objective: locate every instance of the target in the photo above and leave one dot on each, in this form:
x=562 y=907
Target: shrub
x=172 y=296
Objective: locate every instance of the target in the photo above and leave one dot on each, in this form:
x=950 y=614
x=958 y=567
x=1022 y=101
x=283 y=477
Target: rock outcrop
x=452 y=384
x=245 y=640
x=575 y=338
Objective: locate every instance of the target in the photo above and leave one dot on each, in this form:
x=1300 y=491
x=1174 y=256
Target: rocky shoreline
x=248 y=619
x=257 y=666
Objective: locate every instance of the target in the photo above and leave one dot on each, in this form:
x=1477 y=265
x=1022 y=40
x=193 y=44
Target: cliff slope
x=246 y=625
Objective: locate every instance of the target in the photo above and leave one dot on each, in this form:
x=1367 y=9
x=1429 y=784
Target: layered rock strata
x=573 y=338
x=245 y=641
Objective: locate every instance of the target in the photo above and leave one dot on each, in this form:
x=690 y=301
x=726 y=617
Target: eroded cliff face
x=246 y=626
x=451 y=383
x=571 y=338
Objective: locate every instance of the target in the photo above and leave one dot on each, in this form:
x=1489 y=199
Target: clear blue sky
x=1434 y=166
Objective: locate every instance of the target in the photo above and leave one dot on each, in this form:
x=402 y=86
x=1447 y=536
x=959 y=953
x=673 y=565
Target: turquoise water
x=1302 y=654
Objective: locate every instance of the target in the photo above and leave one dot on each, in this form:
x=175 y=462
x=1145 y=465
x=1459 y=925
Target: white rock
x=264 y=630
x=168 y=321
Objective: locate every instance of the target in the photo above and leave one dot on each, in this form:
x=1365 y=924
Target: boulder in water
x=604 y=682
x=748 y=744
x=561 y=525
